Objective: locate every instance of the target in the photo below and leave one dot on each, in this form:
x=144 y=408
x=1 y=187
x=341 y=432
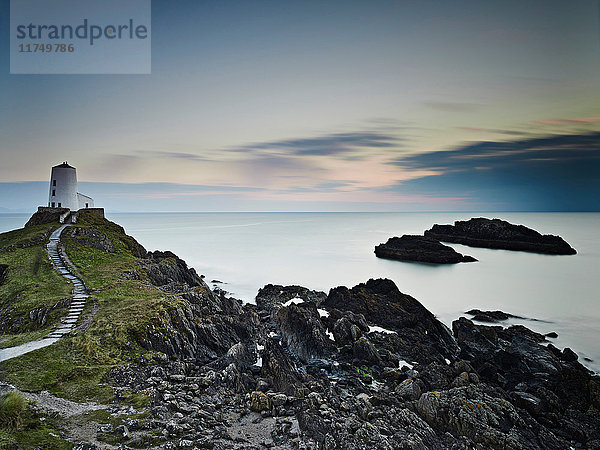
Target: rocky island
x=159 y=360
x=499 y=234
x=420 y=249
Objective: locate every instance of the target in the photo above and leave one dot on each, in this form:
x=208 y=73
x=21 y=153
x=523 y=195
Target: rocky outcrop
x=272 y=296
x=165 y=269
x=419 y=249
x=302 y=369
x=90 y=237
x=499 y=234
x=46 y=215
x=302 y=329
x=491 y=316
x=418 y=334
x=112 y=238
x=203 y=326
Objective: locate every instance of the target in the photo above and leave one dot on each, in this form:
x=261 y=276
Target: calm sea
x=322 y=250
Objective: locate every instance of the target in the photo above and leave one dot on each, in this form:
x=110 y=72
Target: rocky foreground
x=358 y=368
x=499 y=234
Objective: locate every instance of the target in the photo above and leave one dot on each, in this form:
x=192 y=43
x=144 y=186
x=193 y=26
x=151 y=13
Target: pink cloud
x=593 y=119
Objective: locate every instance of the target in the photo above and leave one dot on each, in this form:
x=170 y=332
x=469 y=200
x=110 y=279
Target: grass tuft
x=12 y=410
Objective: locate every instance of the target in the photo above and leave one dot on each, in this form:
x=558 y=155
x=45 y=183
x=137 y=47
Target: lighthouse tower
x=63 y=189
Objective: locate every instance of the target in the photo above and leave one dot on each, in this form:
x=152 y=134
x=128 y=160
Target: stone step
x=64 y=330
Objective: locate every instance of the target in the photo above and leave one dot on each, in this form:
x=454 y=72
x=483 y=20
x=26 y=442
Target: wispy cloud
x=494 y=130
x=578 y=120
x=177 y=155
x=335 y=144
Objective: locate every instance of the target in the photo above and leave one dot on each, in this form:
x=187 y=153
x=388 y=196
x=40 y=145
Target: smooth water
x=324 y=250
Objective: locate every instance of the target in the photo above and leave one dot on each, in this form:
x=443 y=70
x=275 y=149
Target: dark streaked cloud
x=557 y=173
x=495 y=130
x=338 y=144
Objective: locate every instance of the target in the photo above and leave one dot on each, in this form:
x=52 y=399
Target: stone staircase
x=80 y=293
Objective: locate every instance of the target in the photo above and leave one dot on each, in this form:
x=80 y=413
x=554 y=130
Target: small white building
x=63 y=189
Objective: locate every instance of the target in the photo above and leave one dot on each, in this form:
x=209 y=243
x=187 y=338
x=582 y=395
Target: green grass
x=30 y=283
x=76 y=366
x=27 y=236
x=12 y=409
x=60 y=370
x=31 y=429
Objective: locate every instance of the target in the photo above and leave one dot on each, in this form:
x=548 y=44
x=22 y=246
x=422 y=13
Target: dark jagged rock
x=365 y=352
x=165 y=268
x=491 y=316
x=279 y=368
x=419 y=335
x=274 y=295
x=419 y=249
x=485 y=417
x=345 y=332
x=505 y=389
x=302 y=330
x=515 y=359
x=499 y=234
x=206 y=326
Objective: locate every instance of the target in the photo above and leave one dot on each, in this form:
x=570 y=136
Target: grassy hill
x=29 y=283
x=114 y=320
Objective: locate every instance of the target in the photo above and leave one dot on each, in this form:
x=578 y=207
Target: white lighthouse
x=63 y=189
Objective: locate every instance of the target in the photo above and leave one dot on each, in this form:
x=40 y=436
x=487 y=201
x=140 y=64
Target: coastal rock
x=301 y=328
x=409 y=389
x=419 y=249
x=280 y=370
x=345 y=332
x=272 y=296
x=418 y=334
x=485 y=417
x=365 y=352
x=515 y=359
x=204 y=326
x=499 y=234
x=259 y=402
x=165 y=267
x=491 y=316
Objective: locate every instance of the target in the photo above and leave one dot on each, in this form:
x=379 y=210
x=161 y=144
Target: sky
x=324 y=106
